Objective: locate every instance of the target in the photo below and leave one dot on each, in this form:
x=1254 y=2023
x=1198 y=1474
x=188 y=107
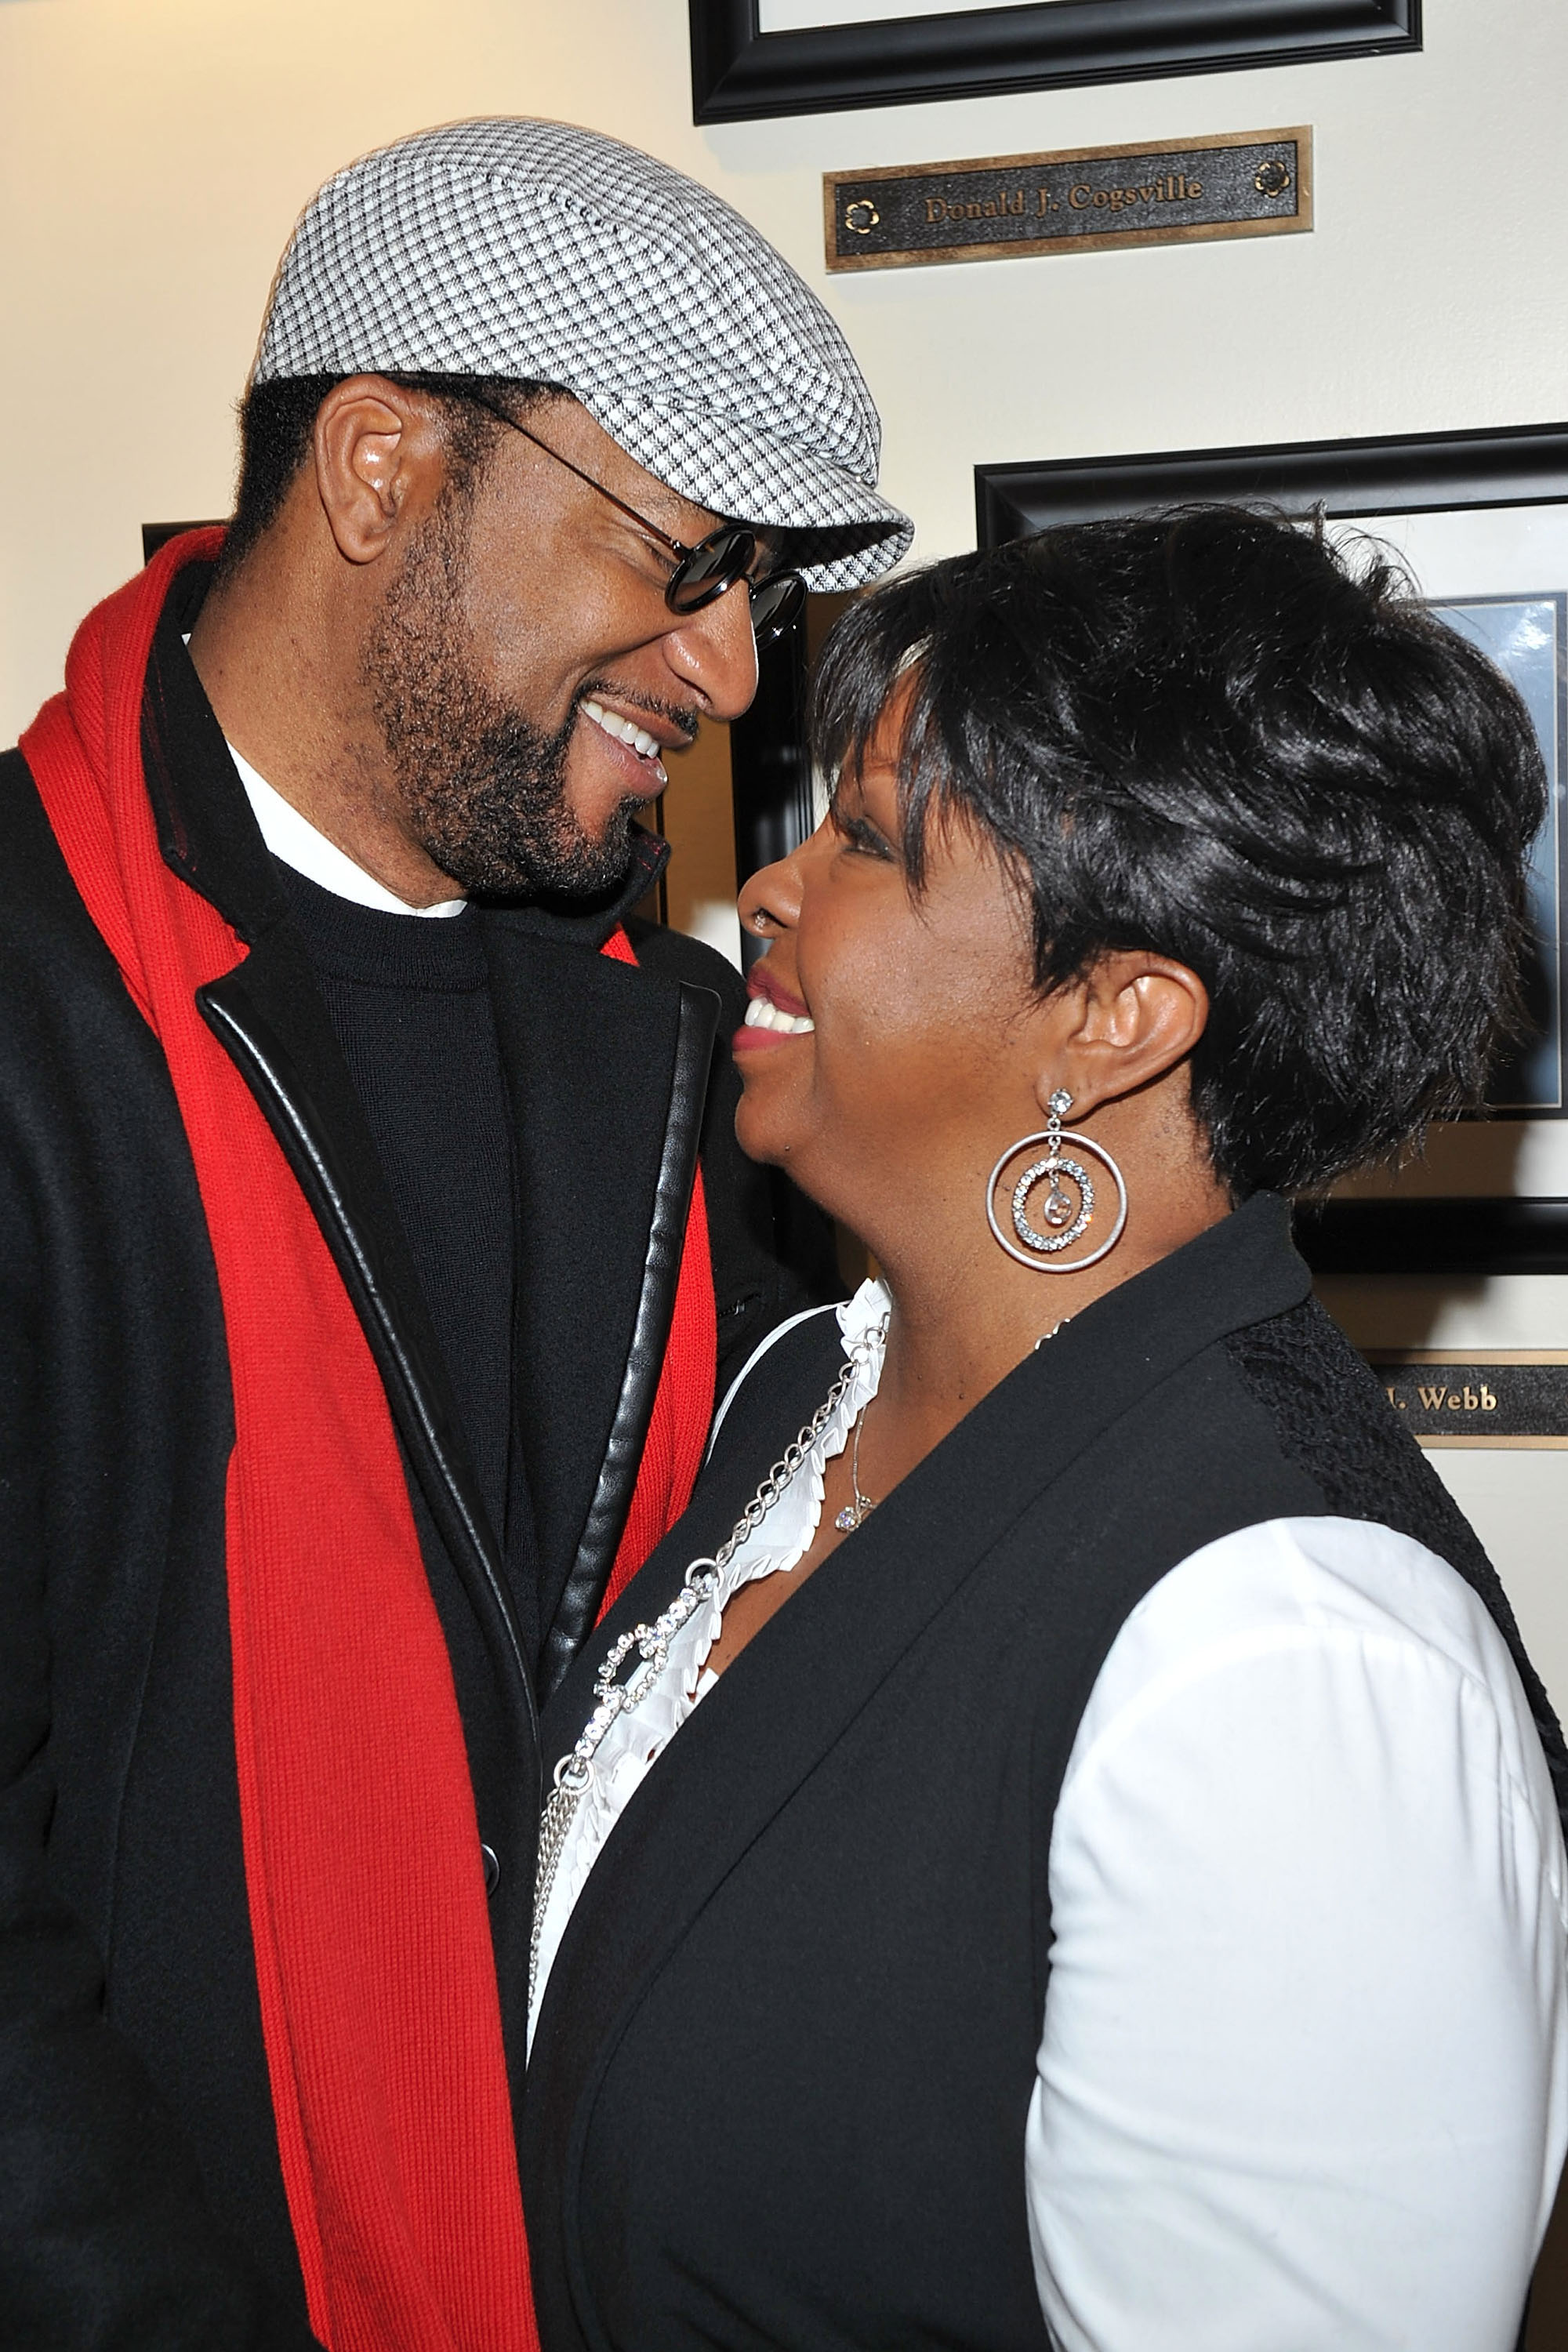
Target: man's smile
x=637 y=738
x=626 y=730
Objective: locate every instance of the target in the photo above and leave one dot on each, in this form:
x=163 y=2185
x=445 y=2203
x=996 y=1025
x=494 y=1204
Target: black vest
x=787 y=2049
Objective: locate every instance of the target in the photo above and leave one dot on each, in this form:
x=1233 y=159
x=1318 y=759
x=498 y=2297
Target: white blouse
x=639 y=1736
x=1302 y=2085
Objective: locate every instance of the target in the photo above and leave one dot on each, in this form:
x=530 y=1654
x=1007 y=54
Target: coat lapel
x=799 y=1685
x=608 y=1066
x=268 y=1016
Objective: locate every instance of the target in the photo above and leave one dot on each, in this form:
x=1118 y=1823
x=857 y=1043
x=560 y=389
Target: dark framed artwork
x=772 y=789
x=756 y=57
x=1480 y=519
x=155 y=535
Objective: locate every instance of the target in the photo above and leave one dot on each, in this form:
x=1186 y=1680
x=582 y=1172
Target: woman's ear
x=1125 y=1024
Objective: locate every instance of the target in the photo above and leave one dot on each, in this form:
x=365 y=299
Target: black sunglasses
x=703 y=572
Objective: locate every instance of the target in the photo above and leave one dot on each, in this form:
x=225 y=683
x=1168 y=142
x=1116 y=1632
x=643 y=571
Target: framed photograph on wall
x=1480 y=521
x=756 y=57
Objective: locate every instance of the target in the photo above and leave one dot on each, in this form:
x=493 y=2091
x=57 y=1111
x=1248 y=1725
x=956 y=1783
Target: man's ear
x=378 y=449
x=1130 y=1019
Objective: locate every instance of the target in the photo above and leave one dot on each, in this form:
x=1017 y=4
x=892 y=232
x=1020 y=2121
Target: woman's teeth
x=762 y=1013
x=644 y=745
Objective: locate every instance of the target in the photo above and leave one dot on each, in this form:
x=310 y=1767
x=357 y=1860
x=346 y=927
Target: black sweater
x=409 y=1002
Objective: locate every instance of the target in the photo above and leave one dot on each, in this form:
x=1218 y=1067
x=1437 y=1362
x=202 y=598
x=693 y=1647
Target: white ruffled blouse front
x=639 y=1735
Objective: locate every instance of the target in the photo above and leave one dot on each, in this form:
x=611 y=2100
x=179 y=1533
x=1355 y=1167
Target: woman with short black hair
x=1119 y=1901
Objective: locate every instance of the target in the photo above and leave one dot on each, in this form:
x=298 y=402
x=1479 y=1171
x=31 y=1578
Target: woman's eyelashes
x=858 y=833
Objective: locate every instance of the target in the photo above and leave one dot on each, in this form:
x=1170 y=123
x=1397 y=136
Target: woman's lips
x=763 y=981
x=773 y=1015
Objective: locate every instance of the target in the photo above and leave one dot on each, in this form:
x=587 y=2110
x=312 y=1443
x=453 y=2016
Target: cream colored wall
x=154 y=154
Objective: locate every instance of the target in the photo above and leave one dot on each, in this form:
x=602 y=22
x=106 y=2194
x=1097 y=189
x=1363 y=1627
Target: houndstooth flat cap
x=536 y=250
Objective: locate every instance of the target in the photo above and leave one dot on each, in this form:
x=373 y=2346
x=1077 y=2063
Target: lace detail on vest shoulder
x=1331 y=1419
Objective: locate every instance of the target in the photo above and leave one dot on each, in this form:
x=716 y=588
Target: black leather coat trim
x=459 y=1516
x=590 y=1571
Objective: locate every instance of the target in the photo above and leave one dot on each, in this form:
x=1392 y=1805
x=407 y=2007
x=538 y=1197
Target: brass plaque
x=1076 y=200
x=1490 y=1396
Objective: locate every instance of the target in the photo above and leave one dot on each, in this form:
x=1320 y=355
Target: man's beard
x=483 y=788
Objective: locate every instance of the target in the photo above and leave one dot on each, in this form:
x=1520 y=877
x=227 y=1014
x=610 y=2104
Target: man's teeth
x=762 y=1013
x=644 y=744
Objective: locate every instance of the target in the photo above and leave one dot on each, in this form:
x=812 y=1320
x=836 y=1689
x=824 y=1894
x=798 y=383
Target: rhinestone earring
x=1066 y=1224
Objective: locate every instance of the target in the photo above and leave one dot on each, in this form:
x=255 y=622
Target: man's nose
x=715 y=650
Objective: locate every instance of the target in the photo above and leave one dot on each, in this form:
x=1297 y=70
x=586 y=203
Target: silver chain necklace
x=855 y=1513
x=651 y=1643
x=650 y=1646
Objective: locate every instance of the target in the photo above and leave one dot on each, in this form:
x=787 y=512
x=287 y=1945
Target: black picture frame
x=1458 y=1239
x=1470 y=1233
x=155 y=535
x=770 y=765
x=1427 y=473
x=740 y=74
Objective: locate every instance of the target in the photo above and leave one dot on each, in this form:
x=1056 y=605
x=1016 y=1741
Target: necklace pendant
x=848 y=1519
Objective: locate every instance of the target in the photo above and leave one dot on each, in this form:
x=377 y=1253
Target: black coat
x=784 y=2057
x=141 y=2199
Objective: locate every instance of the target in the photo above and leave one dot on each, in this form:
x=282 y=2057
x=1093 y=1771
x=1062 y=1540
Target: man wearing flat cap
x=372 y=1239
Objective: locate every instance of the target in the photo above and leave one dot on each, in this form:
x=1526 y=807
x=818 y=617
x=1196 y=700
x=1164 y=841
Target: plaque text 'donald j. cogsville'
x=1240 y=183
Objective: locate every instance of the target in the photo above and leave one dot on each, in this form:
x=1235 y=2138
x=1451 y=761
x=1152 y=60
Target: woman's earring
x=1067 y=1219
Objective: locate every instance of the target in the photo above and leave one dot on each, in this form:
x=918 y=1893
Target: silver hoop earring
x=1041 y=1251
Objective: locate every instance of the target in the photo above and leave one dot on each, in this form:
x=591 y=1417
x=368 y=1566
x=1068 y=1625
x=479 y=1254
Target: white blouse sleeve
x=1303 y=2084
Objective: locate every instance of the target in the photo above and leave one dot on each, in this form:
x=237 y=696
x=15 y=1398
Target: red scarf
x=362 y=1854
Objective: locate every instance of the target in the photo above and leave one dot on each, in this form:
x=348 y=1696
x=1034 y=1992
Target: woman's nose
x=770 y=902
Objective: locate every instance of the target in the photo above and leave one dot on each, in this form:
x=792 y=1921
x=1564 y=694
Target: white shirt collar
x=296 y=841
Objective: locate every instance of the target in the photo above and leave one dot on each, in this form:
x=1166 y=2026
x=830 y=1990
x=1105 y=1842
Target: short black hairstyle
x=1212 y=734
x=278 y=418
